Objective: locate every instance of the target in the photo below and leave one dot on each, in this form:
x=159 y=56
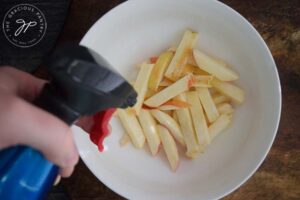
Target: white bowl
x=138 y=29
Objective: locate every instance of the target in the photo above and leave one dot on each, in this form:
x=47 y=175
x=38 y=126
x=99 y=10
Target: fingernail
x=57 y=180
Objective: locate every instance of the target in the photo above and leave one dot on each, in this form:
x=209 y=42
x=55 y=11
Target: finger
x=20 y=83
x=23 y=123
x=66 y=172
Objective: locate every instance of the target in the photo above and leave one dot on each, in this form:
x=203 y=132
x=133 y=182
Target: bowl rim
x=244 y=177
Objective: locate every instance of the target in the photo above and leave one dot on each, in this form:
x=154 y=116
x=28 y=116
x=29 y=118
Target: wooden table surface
x=279 y=24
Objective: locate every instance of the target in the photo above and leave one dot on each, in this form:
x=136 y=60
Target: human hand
x=23 y=123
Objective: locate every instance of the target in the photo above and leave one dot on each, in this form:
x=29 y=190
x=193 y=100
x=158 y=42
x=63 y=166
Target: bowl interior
x=136 y=30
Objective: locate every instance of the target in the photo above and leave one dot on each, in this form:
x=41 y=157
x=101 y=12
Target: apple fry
x=149 y=93
x=132 y=127
x=214 y=67
x=168 y=93
x=174 y=104
x=168 y=112
x=233 y=92
x=191 y=60
x=141 y=85
x=172 y=49
x=198 y=118
x=193 y=69
x=175 y=117
x=169 y=123
x=125 y=139
x=219 y=125
x=202 y=81
x=159 y=69
x=165 y=82
x=187 y=129
x=169 y=146
x=149 y=126
x=187 y=43
x=219 y=98
x=168 y=107
x=225 y=108
x=208 y=104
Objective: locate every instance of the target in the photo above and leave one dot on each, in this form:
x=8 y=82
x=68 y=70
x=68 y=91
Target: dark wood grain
x=279 y=24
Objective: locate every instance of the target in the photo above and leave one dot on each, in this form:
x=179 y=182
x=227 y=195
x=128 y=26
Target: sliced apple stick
x=214 y=67
x=219 y=98
x=165 y=82
x=172 y=49
x=168 y=93
x=213 y=91
x=198 y=118
x=225 y=108
x=149 y=127
x=191 y=60
x=132 y=127
x=169 y=146
x=168 y=107
x=175 y=117
x=187 y=43
x=202 y=81
x=233 y=92
x=149 y=93
x=230 y=116
x=219 y=125
x=188 y=68
x=169 y=123
x=187 y=129
x=168 y=112
x=159 y=69
x=141 y=85
x=208 y=104
x=174 y=104
x=139 y=65
x=125 y=139
x=131 y=82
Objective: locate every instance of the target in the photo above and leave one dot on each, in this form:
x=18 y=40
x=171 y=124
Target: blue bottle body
x=25 y=174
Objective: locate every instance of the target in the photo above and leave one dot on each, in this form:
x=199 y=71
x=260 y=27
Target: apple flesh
x=181 y=55
x=194 y=69
x=219 y=98
x=219 y=125
x=198 y=118
x=214 y=67
x=208 y=104
x=132 y=127
x=159 y=70
x=149 y=126
x=169 y=92
x=233 y=92
x=225 y=108
x=187 y=129
x=169 y=146
x=141 y=85
x=165 y=82
x=167 y=121
x=202 y=81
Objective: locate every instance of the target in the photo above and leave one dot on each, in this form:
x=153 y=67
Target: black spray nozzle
x=83 y=81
